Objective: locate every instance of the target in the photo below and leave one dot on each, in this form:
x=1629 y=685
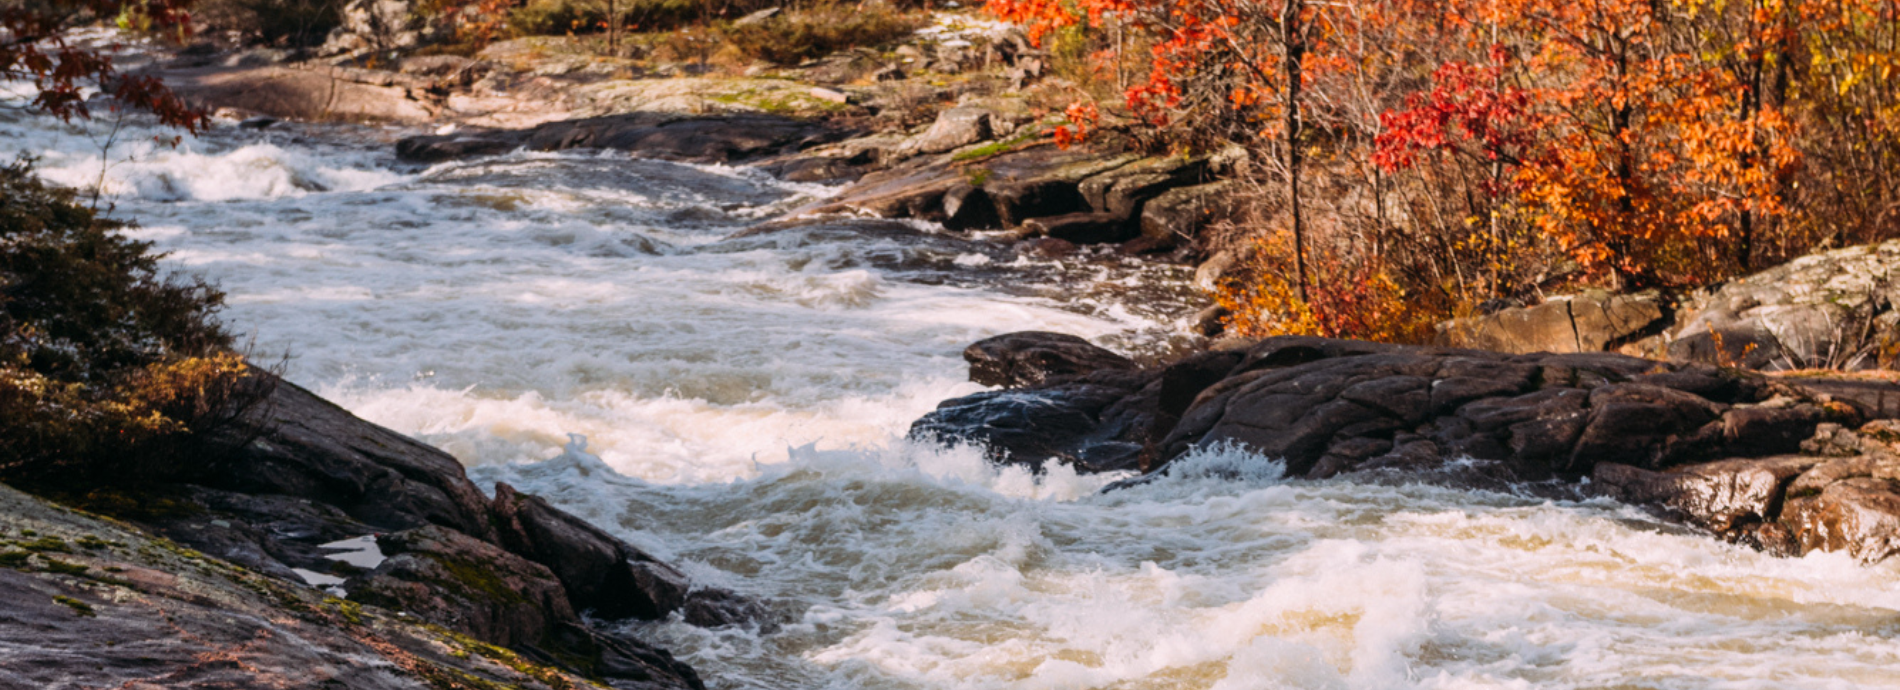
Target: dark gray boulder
x=1328 y=406
x=711 y=139
x=1029 y=358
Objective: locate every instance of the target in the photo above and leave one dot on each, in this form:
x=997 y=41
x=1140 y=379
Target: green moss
x=1806 y=492
x=350 y=610
x=47 y=544
x=998 y=147
x=92 y=541
x=54 y=565
x=79 y=607
x=180 y=551
x=465 y=646
x=474 y=577
x=14 y=559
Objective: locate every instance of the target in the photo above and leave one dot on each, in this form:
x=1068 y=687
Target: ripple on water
x=746 y=399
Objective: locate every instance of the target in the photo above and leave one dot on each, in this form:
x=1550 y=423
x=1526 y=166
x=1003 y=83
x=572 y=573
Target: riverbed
x=586 y=327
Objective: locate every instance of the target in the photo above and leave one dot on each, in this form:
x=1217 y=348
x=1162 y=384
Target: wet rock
x=466 y=585
x=1030 y=183
x=436 y=149
x=305 y=447
x=969 y=207
x=603 y=575
x=1732 y=498
x=1331 y=406
x=1212 y=321
x=1123 y=191
x=307 y=92
x=1048 y=247
x=132 y=610
x=1081 y=228
x=1030 y=358
x=1018 y=202
x=305 y=472
x=1860 y=516
x=1031 y=427
x=713 y=608
x=1209 y=275
x=718 y=138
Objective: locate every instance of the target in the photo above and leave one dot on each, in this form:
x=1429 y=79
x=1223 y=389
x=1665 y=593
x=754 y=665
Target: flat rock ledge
x=1753 y=458
x=672 y=136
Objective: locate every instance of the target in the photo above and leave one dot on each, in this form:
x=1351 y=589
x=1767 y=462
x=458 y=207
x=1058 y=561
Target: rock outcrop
x=1594 y=321
x=1332 y=406
x=1039 y=191
x=92 y=603
x=709 y=139
x=1755 y=459
x=1832 y=310
x=1841 y=494
x=1829 y=310
x=514 y=572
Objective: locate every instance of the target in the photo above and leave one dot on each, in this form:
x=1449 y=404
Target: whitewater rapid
x=743 y=403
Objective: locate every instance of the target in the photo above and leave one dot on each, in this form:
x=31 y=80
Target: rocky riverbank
x=325 y=549
x=952 y=125
x=1752 y=458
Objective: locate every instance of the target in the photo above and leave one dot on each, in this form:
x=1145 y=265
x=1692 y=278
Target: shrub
x=288 y=23
x=107 y=369
x=803 y=35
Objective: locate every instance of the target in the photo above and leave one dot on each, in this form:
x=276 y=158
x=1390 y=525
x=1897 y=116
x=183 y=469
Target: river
x=580 y=326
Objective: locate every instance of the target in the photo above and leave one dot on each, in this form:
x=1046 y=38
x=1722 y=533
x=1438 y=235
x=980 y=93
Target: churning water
x=743 y=403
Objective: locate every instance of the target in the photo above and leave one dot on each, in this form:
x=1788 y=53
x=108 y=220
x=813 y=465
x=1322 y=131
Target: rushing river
x=743 y=403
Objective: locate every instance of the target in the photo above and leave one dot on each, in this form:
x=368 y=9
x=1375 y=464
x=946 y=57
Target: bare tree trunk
x=613 y=28
x=1293 y=36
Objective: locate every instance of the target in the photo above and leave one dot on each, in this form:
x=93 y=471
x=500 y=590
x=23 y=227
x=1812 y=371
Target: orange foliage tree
x=1494 y=149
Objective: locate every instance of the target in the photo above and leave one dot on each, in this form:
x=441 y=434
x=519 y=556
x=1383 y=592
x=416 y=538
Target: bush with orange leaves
x=1506 y=149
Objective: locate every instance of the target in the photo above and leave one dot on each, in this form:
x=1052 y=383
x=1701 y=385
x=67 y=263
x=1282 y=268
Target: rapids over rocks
x=744 y=404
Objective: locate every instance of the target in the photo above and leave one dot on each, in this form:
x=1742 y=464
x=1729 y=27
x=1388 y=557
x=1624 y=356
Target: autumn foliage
x=36 y=47
x=1448 y=153
x=109 y=369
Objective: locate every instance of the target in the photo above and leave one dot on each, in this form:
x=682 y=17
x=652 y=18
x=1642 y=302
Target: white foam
x=575 y=325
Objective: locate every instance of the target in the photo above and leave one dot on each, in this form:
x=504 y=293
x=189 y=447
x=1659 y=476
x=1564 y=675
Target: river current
x=581 y=325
